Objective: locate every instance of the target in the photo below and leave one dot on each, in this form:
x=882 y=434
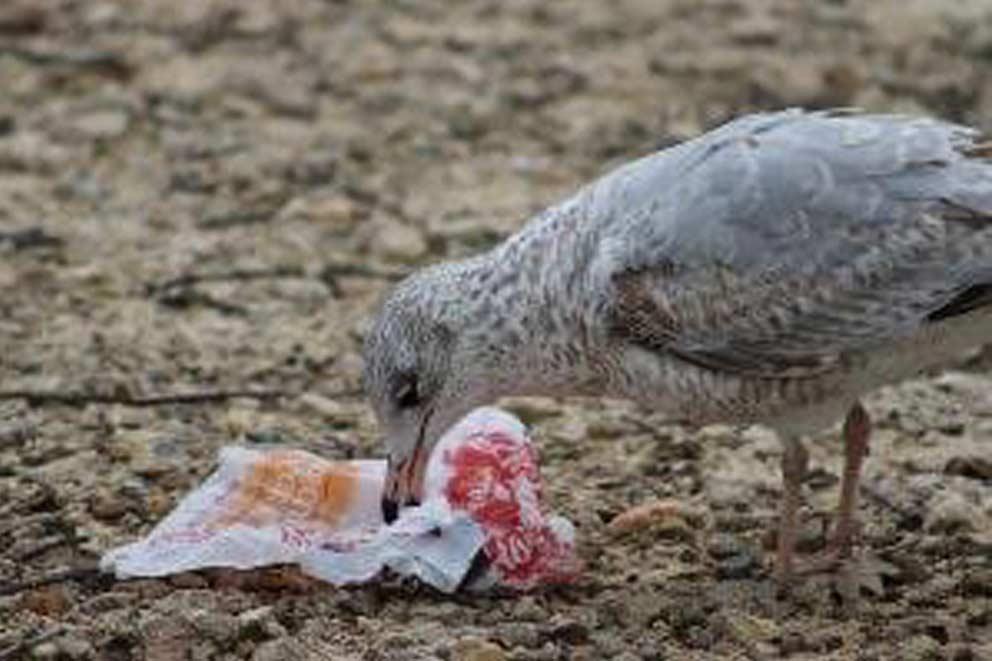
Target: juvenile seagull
x=771 y=271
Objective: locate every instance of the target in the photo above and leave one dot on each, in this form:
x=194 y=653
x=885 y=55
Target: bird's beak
x=404 y=482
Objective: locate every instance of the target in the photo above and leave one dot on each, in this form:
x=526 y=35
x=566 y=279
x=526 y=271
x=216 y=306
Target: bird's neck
x=530 y=311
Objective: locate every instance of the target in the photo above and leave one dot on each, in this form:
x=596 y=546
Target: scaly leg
x=852 y=574
x=857 y=430
x=864 y=571
x=794 y=460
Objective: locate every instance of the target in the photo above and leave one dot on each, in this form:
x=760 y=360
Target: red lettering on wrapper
x=496 y=480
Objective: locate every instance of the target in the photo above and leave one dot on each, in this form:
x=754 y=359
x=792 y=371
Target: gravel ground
x=208 y=196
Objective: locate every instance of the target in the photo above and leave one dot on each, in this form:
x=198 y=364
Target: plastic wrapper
x=481 y=523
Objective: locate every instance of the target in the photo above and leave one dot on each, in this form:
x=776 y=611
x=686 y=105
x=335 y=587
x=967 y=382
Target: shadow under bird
x=771 y=271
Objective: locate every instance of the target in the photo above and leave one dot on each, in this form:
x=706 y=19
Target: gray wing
x=781 y=244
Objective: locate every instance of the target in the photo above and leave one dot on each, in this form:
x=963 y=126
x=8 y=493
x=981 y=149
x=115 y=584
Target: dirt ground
x=210 y=196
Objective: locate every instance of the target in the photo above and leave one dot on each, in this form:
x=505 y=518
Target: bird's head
x=421 y=374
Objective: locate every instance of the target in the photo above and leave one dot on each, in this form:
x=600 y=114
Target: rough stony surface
x=193 y=197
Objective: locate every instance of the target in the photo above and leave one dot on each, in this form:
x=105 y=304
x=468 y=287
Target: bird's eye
x=407 y=395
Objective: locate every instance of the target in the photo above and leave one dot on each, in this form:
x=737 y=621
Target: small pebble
x=758 y=30
x=526 y=609
x=101 y=124
x=522 y=634
x=974 y=467
x=570 y=631
x=15 y=434
x=107 y=506
x=471 y=648
x=149 y=454
x=280 y=650
x=337 y=212
x=736 y=567
x=108 y=601
x=74 y=646
x=722 y=546
x=257 y=623
x=50 y=600
x=46 y=650
x=950 y=513
x=397 y=242
x=218 y=626
x=977 y=583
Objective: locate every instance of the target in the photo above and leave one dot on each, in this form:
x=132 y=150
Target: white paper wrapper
x=265 y=507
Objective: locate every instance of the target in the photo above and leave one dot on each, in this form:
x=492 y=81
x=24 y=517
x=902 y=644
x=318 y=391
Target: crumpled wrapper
x=481 y=524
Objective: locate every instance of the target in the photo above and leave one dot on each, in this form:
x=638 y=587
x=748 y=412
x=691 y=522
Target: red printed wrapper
x=264 y=507
x=489 y=469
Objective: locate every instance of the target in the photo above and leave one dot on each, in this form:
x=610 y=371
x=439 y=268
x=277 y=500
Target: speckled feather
x=771 y=270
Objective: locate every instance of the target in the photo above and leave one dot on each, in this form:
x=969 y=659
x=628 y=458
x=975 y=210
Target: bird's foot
x=864 y=571
x=842 y=565
x=849 y=574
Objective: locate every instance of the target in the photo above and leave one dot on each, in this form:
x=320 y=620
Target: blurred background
x=209 y=196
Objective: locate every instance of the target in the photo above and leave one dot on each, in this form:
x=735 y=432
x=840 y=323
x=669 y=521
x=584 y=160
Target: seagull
x=772 y=271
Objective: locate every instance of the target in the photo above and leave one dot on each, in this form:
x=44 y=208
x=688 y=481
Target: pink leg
x=794 y=460
x=857 y=430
